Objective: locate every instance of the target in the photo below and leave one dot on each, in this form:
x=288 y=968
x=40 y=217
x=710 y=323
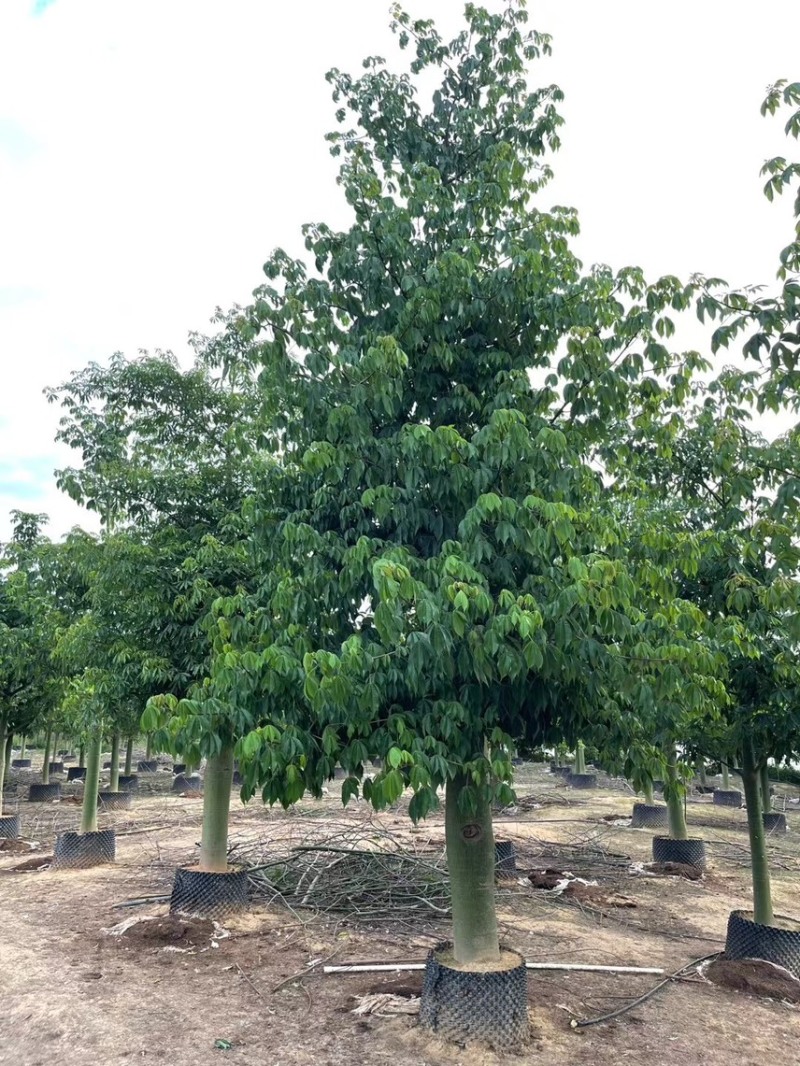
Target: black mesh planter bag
x=178 y=767
x=464 y=1005
x=128 y=782
x=562 y=771
x=747 y=939
x=505 y=859
x=115 y=801
x=147 y=766
x=20 y=764
x=192 y=783
x=689 y=852
x=727 y=797
x=78 y=851
x=68 y=758
x=206 y=894
x=76 y=773
x=56 y=767
x=39 y=793
x=9 y=826
x=775 y=822
x=582 y=780
x=649 y=816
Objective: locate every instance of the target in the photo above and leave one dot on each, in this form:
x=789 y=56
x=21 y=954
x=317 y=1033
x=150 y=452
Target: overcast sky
x=153 y=152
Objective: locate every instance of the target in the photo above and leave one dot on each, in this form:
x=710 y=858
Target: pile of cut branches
x=366 y=873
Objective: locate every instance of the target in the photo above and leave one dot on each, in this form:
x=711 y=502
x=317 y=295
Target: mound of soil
x=16 y=846
x=30 y=864
x=170 y=930
x=597 y=896
x=675 y=869
x=756 y=977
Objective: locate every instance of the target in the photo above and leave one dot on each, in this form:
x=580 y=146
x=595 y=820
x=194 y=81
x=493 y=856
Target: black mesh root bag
x=747 y=939
x=78 y=851
x=115 y=801
x=39 y=793
x=727 y=797
x=649 y=816
x=9 y=826
x=208 y=895
x=582 y=780
x=505 y=858
x=689 y=852
x=462 y=1006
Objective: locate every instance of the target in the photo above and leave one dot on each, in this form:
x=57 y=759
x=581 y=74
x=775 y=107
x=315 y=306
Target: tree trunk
x=7 y=755
x=216 y=811
x=3 y=764
x=46 y=763
x=114 y=782
x=648 y=793
x=759 y=865
x=766 y=799
x=82 y=756
x=54 y=747
x=91 y=784
x=471 y=862
x=22 y=749
x=580 y=760
x=677 y=815
x=726 y=777
x=149 y=752
x=701 y=772
x=129 y=756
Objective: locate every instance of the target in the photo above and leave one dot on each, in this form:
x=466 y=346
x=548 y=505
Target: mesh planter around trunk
x=775 y=822
x=727 y=797
x=582 y=780
x=192 y=783
x=128 y=782
x=658 y=785
x=505 y=858
x=206 y=894
x=339 y=773
x=76 y=773
x=462 y=1005
x=689 y=852
x=747 y=939
x=179 y=767
x=69 y=758
x=147 y=766
x=78 y=851
x=9 y=826
x=39 y=793
x=56 y=767
x=20 y=764
x=649 y=816
x=236 y=779
x=115 y=801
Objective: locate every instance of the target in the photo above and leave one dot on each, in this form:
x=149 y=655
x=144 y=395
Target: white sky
x=153 y=152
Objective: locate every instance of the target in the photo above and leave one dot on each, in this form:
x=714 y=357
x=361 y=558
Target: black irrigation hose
x=586 y=1022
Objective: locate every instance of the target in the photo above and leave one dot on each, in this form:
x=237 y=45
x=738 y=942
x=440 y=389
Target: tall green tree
x=167 y=462
x=441 y=574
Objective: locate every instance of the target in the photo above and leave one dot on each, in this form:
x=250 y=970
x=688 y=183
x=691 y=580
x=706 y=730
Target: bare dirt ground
x=186 y=993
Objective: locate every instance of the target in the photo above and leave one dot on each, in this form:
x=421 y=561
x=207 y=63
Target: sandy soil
x=72 y=992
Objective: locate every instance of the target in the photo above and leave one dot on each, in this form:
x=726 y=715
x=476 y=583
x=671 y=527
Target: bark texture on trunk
x=46 y=763
x=91 y=785
x=677 y=815
x=114 y=782
x=471 y=860
x=759 y=864
x=216 y=810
